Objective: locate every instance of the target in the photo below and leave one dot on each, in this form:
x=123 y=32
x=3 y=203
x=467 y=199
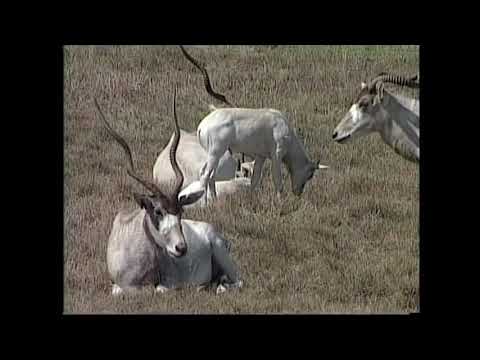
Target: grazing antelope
x=153 y=245
x=395 y=117
x=259 y=133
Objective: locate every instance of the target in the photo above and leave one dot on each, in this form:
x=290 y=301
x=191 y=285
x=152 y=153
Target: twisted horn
x=206 y=78
x=411 y=82
x=173 y=152
x=131 y=171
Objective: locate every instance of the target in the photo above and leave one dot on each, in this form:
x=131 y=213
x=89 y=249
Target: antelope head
x=163 y=212
x=365 y=112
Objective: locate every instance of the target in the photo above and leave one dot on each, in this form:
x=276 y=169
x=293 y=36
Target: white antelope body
x=396 y=118
x=259 y=133
x=153 y=246
x=190 y=157
x=223 y=188
x=136 y=255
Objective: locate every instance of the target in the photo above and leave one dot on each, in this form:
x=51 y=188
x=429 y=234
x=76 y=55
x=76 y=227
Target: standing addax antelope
x=395 y=117
x=259 y=133
x=153 y=246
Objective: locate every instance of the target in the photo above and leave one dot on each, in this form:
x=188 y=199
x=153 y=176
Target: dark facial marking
x=155 y=215
x=364 y=102
x=158 y=207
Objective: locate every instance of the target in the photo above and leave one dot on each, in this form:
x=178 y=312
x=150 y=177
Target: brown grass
x=349 y=245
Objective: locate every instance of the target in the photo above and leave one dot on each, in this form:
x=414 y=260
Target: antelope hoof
x=221 y=289
x=161 y=289
x=238 y=284
x=116 y=290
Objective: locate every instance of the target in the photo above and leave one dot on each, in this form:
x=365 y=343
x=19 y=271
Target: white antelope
x=153 y=245
x=395 y=117
x=223 y=188
x=190 y=157
x=259 y=133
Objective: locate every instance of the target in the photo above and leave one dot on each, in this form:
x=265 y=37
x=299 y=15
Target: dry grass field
x=348 y=245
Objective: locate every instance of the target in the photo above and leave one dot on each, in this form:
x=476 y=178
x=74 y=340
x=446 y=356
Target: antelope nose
x=334 y=135
x=182 y=249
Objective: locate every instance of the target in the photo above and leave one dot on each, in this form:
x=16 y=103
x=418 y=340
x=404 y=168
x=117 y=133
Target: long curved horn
x=411 y=82
x=173 y=152
x=147 y=184
x=206 y=78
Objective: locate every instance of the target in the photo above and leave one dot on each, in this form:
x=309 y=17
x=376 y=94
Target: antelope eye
x=158 y=212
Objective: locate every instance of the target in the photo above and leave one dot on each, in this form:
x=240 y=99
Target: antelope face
x=300 y=179
x=163 y=213
x=165 y=218
x=360 y=119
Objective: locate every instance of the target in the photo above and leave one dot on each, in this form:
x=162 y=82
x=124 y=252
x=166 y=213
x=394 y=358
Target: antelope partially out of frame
x=395 y=117
x=259 y=133
x=153 y=245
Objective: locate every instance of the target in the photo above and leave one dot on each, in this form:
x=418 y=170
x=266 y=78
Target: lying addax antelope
x=259 y=133
x=153 y=245
x=395 y=117
x=190 y=158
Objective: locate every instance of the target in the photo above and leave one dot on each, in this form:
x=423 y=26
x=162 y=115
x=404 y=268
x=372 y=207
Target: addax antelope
x=396 y=118
x=259 y=133
x=153 y=246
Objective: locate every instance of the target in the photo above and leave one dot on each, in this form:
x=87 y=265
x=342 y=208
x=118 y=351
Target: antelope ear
x=143 y=201
x=378 y=98
x=190 y=198
x=379 y=94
